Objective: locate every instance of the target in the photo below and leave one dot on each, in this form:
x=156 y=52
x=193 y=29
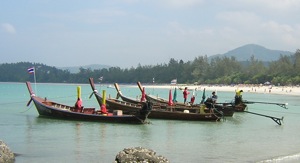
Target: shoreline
x=263 y=89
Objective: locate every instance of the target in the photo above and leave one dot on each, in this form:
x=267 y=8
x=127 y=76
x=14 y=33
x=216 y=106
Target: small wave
x=286 y=159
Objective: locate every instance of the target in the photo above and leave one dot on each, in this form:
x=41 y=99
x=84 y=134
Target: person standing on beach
x=185 y=94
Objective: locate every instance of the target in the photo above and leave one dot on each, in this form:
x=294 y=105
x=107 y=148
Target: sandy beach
x=283 y=90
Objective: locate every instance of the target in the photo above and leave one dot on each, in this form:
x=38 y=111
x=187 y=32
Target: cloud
x=282 y=33
x=282 y=5
x=252 y=27
x=175 y=29
x=270 y=5
x=240 y=18
x=88 y=16
x=8 y=28
x=181 y=3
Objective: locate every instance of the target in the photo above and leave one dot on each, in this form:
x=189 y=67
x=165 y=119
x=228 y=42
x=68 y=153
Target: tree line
x=219 y=70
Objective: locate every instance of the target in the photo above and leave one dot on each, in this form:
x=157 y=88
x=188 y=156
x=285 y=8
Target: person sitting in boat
x=185 y=94
x=209 y=104
x=78 y=105
x=214 y=97
x=192 y=100
x=238 y=97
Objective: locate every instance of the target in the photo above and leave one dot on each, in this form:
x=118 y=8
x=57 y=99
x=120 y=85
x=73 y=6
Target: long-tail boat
x=226 y=110
x=156 y=99
x=115 y=104
x=157 y=112
x=224 y=106
x=48 y=108
x=125 y=98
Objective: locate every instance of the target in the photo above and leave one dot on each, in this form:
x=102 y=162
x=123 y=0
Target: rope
x=27 y=109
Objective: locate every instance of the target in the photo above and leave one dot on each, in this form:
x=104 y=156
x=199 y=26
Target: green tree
x=281 y=67
x=200 y=67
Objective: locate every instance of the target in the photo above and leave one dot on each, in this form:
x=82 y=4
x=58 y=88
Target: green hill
x=260 y=53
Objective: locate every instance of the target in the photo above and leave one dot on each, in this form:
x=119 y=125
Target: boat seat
x=47 y=103
x=89 y=110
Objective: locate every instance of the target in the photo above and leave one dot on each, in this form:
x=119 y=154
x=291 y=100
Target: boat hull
x=53 y=112
x=177 y=115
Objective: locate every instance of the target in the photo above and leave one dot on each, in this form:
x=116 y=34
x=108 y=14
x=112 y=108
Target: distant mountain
x=241 y=54
x=260 y=53
x=75 y=69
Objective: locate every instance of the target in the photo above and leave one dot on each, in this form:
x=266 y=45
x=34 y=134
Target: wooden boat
x=225 y=107
x=226 y=111
x=52 y=109
x=155 y=99
x=158 y=112
x=170 y=114
x=115 y=104
x=135 y=101
x=241 y=107
x=124 y=98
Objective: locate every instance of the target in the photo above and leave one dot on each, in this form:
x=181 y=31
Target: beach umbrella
x=175 y=95
x=170 y=103
x=203 y=96
x=143 y=98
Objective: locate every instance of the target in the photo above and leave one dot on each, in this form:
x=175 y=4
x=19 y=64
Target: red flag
x=143 y=98
x=170 y=98
x=103 y=109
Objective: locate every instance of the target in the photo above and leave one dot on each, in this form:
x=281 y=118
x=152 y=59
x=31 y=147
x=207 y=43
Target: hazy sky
x=125 y=33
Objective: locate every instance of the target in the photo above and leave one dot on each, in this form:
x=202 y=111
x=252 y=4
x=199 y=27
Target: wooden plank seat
x=89 y=110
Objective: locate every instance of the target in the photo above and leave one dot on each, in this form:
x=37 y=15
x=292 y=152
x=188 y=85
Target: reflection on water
x=29 y=125
x=78 y=140
x=145 y=134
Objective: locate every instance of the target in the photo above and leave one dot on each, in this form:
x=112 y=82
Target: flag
x=30 y=70
x=170 y=103
x=143 y=98
x=175 y=96
x=193 y=97
x=203 y=96
x=174 y=81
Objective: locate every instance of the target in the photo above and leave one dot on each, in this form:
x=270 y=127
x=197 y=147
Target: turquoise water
x=241 y=138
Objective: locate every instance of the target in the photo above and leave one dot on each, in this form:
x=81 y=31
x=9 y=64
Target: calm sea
x=242 y=138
